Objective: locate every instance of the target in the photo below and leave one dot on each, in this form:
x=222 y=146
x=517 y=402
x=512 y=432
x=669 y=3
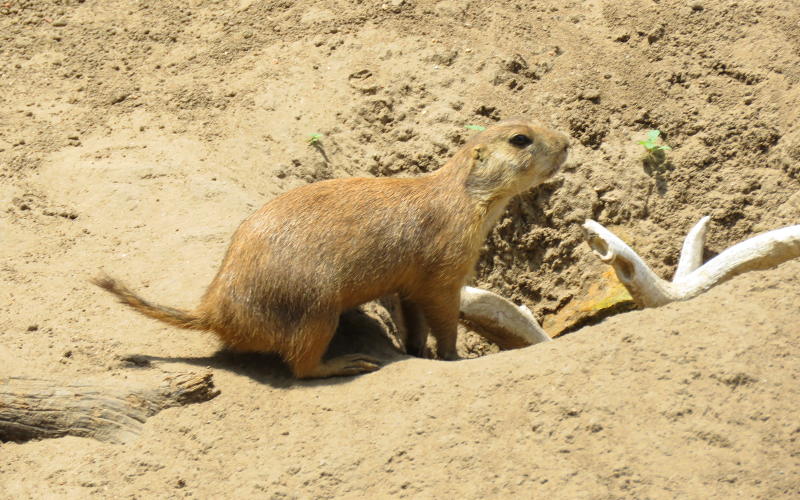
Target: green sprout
x=314 y=139
x=655 y=158
x=479 y=128
x=651 y=143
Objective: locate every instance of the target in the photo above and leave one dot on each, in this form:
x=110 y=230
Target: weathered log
x=40 y=409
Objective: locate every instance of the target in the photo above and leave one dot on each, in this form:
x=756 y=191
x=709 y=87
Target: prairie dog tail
x=175 y=317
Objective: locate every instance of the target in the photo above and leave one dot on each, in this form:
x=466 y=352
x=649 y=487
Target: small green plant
x=651 y=144
x=655 y=158
x=479 y=128
x=313 y=139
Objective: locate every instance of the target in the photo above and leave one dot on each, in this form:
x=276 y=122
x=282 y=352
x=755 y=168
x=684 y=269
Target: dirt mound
x=695 y=399
x=137 y=135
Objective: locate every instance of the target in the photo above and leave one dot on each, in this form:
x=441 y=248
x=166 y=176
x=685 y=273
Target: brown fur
x=294 y=265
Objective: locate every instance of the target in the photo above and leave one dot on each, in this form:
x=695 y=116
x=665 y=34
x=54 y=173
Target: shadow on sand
x=358 y=332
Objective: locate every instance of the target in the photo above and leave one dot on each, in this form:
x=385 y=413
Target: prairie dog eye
x=520 y=140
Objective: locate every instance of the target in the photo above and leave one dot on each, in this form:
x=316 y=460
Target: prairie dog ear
x=478 y=152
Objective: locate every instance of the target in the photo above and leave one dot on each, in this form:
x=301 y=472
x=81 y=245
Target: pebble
x=590 y=94
x=119 y=97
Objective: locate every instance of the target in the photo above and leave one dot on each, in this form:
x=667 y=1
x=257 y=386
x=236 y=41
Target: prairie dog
x=297 y=263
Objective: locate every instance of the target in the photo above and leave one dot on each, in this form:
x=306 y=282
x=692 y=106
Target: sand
x=135 y=136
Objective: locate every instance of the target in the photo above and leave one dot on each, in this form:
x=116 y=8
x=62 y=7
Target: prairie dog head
x=511 y=157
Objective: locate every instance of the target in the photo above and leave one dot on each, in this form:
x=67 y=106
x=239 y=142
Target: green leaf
x=479 y=128
x=651 y=143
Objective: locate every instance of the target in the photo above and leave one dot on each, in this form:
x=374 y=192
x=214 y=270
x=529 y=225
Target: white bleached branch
x=500 y=320
x=692 y=251
x=491 y=316
x=691 y=279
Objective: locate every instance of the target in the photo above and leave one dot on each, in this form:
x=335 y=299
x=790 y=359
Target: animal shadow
x=358 y=332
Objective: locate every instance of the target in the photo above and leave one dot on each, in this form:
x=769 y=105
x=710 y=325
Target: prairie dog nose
x=561 y=142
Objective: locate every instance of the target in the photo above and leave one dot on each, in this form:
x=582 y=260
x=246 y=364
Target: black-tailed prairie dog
x=313 y=252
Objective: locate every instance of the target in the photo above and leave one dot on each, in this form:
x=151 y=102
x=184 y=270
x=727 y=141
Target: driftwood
x=499 y=320
x=491 y=316
x=39 y=409
x=691 y=278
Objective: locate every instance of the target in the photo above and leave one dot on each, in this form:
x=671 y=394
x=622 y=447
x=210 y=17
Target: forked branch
x=691 y=278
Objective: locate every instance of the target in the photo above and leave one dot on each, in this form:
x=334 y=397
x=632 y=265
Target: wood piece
x=39 y=409
x=491 y=316
x=692 y=251
x=499 y=320
x=648 y=290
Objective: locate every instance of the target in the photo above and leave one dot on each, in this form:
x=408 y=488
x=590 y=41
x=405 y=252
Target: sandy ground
x=135 y=136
